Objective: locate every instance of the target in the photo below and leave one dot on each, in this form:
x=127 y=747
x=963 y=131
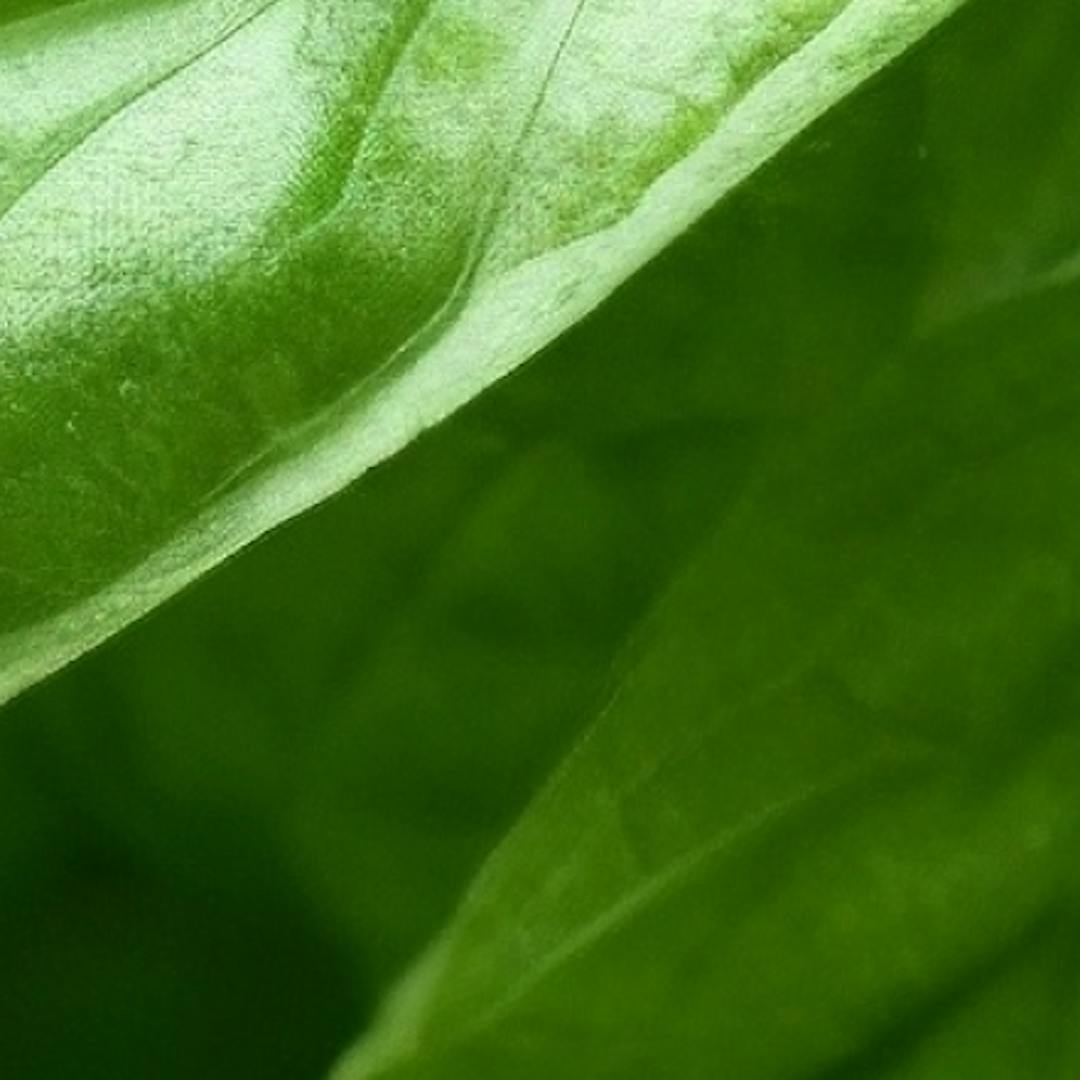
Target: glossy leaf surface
x=252 y=247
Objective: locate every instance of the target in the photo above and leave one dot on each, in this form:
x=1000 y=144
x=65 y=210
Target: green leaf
x=827 y=823
x=347 y=718
x=837 y=780
x=321 y=741
x=252 y=248
x=814 y=545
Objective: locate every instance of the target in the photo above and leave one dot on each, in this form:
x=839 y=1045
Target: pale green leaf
x=252 y=247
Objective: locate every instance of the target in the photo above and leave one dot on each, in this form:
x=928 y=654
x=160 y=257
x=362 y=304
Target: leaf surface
x=252 y=248
x=818 y=554
x=847 y=734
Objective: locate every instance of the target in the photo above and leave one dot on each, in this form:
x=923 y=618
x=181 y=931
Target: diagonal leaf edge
x=478 y=338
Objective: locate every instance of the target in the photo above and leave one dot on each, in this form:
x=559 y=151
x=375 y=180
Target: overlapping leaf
x=836 y=782
x=252 y=247
x=827 y=823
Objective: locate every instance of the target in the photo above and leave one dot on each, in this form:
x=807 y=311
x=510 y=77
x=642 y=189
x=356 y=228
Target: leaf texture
x=835 y=784
x=252 y=248
x=791 y=592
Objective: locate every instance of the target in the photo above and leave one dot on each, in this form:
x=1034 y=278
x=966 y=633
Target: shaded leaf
x=838 y=774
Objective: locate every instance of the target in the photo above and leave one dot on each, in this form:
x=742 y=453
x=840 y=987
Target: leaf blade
x=821 y=762
x=276 y=445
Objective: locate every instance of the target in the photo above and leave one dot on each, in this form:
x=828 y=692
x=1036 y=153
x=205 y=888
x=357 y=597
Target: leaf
x=252 y=248
x=828 y=823
x=282 y=782
x=321 y=741
x=1008 y=235
x=23 y=9
x=837 y=779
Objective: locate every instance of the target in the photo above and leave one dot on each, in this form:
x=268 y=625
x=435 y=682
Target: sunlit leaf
x=252 y=247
